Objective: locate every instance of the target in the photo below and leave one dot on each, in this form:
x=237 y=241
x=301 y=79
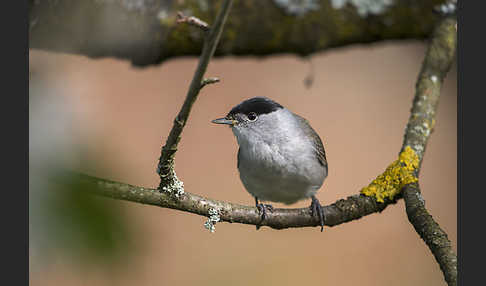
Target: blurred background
x=108 y=119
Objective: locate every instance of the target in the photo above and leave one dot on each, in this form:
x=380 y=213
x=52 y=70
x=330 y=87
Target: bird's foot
x=316 y=210
x=263 y=209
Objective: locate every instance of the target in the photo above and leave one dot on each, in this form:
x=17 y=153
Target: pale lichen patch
x=364 y=7
x=176 y=187
x=213 y=218
x=447 y=8
x=420 y=198
x=298 y=7
x=395 y=177
x=419 y=148
x=422 y=130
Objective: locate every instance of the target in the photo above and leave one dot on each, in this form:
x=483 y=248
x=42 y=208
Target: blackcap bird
x=281 y=158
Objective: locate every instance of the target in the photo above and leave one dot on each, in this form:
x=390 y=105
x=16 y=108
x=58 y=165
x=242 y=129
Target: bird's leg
x=316 y=209
x=262 y=208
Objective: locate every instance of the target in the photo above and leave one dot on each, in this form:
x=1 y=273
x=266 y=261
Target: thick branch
x=344 y=210
x=166 y=161
x=437 y=62
x=145 y=31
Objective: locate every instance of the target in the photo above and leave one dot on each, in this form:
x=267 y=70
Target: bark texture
x=431 y=232
x=146 y=31
x=344 y=210
x=165 y=168
x=438 y=60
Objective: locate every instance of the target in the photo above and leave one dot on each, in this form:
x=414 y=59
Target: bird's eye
x=252 y=116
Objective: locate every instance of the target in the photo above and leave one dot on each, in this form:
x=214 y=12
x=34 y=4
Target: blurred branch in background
x=146 y=31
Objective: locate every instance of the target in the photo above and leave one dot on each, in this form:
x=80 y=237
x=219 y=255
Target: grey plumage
x=311 y=133
x=280 y=158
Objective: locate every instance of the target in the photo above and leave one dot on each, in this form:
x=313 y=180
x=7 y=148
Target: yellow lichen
x=395 y=177
x=432 y=123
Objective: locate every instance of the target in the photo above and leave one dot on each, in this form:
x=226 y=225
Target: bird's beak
x=224 y=121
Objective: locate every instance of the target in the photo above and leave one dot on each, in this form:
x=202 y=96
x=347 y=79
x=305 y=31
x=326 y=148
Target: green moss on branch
x=147 y=33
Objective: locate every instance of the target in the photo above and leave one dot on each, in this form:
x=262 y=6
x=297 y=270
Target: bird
x=280 y=158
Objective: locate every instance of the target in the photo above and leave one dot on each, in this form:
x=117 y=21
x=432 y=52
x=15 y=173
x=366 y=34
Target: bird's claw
x=316 y=209
x=262 y=209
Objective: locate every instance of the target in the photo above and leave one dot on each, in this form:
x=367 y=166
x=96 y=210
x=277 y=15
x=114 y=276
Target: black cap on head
x=259 y=105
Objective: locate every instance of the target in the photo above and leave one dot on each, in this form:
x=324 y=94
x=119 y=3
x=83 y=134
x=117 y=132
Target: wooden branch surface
x=437 y=62
x=146 y=32
x=344 y=210
x=165 y=167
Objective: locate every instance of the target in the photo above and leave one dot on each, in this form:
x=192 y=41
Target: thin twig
x=165 y=169
x=207 y=81
x=191 y=20
x=438 y=60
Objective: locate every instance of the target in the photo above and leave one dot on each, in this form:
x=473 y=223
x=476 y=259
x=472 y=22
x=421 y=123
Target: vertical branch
x=166 y=161
x=437 y=62
x=430 y=231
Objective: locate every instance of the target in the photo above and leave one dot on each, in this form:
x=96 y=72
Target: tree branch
x=430 y=231
x=146 y=31
x=207 y=81
x=437 y=62
x=344 y=210
x=168 y=179
x=191 y=20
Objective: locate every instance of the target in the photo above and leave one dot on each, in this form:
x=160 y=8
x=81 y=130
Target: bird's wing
x=238 y=159
x=311 y=133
